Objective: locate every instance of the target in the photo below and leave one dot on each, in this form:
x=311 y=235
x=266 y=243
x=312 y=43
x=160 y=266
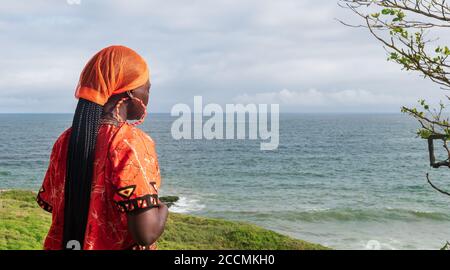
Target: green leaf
x=386 y=11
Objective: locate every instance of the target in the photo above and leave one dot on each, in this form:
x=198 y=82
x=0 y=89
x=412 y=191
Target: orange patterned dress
x=126 y=177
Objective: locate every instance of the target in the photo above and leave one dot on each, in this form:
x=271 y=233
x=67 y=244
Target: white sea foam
x=377 y=245
x=187 y=205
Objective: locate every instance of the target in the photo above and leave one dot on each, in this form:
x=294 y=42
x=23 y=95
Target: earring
x=144 y=114
x=130 y=97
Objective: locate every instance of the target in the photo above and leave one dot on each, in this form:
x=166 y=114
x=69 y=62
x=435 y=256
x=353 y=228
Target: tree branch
x=435 y=187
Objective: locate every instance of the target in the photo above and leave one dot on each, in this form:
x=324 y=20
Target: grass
x=23 y=225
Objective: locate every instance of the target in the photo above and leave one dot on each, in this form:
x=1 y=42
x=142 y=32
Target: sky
x=290 y=52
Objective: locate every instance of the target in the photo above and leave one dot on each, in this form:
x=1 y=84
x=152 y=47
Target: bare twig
x=435 y=187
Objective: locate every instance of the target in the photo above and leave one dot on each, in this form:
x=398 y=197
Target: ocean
x=347 y=181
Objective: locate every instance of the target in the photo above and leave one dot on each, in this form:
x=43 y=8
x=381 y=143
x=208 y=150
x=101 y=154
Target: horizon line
x=369 y=112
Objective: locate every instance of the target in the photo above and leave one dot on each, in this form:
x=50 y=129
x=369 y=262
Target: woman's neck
x=110 y=113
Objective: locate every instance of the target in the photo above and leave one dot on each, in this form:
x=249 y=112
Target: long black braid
x=80 y=166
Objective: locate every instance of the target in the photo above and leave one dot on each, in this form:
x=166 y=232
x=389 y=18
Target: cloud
x=336 y=101
x=218 y=49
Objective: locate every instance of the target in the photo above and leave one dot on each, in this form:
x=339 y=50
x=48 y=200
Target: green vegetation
x=24 y=226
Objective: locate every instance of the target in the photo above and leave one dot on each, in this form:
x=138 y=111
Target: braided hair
x=79 y=172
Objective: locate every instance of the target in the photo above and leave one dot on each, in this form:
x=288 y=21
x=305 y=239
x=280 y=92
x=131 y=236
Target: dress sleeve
x=44 y=195
x=135 y=175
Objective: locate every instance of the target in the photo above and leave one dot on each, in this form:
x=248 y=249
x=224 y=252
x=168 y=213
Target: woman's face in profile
x=141 y=93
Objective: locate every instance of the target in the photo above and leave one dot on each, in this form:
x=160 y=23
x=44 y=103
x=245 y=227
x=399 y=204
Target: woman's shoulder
x=61 y=143
x=63 y=138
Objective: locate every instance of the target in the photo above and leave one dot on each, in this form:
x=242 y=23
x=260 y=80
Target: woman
x=102 y=182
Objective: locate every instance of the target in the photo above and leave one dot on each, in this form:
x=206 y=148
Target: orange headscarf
x=113 y=70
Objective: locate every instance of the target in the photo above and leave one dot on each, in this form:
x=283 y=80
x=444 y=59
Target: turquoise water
x=339 y=180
